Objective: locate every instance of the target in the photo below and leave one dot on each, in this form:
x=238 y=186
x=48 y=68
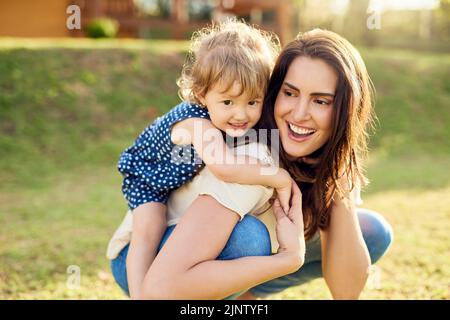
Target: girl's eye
x=253 y=102
x=227 y=102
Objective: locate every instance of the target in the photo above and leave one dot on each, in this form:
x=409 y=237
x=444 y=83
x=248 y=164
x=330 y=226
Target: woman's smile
x=298 y=133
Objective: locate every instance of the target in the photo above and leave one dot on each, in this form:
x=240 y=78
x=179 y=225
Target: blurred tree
x=159 y=8
x=326 y=14
x=196 y=9
x=297 y=22
x=200 y=9
x=355 y=24
x=441 y=25
x=163 y=8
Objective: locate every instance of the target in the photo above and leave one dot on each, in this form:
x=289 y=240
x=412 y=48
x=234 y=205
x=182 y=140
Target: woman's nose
x=301 y=110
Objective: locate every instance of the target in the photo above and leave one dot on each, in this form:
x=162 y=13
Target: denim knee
x=377 y=233
x=378 y=236
x=119 y=270
x=249 y=237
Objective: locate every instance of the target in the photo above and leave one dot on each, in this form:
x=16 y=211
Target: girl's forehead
x=231 y=88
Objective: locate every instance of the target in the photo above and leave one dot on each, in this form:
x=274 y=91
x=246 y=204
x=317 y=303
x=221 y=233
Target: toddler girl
x=222 y=86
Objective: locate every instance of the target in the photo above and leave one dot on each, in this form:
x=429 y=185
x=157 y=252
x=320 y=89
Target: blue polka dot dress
x=154 y=165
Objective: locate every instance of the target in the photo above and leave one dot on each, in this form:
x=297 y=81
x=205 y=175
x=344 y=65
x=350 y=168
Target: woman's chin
x=295 y=152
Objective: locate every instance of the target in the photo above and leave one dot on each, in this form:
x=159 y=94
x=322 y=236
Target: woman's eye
x=227 y=102
x=322 y=102
x=288 y=93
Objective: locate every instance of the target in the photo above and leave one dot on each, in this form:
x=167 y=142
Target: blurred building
x=47 y=18
x=43 y=18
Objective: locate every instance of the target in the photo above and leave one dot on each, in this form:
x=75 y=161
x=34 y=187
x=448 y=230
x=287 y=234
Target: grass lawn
x=67 y=110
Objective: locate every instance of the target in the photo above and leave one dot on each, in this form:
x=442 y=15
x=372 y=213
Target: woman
x=320 y=100
x=319 y=97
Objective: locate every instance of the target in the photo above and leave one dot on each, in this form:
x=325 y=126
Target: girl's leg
x=377 y=235
x=248 y=238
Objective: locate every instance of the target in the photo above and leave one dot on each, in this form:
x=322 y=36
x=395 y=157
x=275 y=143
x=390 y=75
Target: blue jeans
x=248 y=238
x=251 y=238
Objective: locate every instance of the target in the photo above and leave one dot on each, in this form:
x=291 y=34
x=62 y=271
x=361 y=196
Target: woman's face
x=303 y=108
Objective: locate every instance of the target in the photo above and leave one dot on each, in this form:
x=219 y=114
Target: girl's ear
x=202 y=100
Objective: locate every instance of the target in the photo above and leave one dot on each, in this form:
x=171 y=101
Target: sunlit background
x=401 y=23
x=77 y=87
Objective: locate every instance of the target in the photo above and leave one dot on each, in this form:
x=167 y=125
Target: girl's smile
x=239 y=126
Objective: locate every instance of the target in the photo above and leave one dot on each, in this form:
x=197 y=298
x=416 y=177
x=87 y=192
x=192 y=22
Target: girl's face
x=304 y=105
x=230 y=112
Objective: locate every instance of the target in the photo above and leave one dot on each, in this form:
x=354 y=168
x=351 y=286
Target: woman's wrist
x=291 y=260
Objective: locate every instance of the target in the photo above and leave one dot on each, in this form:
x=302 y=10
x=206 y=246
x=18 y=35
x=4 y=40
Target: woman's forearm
x=217 y=279
x=346 y=262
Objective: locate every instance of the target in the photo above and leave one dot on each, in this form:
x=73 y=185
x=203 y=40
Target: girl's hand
x=284 y=190
x=289 y=228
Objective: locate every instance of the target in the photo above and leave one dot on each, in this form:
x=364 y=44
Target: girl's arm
x=224 y=164
x=185 y=267
x=345 y=258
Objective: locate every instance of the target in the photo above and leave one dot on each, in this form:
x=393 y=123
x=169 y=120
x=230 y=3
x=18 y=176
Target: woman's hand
x=284 y=190
x=289 y=228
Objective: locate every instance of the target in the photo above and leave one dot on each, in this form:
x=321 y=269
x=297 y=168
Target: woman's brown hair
x=352 y=116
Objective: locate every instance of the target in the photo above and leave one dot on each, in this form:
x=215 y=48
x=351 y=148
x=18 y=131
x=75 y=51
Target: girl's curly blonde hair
x=227 y=52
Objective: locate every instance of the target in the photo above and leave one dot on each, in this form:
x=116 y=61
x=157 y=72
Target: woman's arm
x=345 y=258
x=185 y=267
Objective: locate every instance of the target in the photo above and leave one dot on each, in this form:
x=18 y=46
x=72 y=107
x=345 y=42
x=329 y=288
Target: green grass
x=68 y=108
